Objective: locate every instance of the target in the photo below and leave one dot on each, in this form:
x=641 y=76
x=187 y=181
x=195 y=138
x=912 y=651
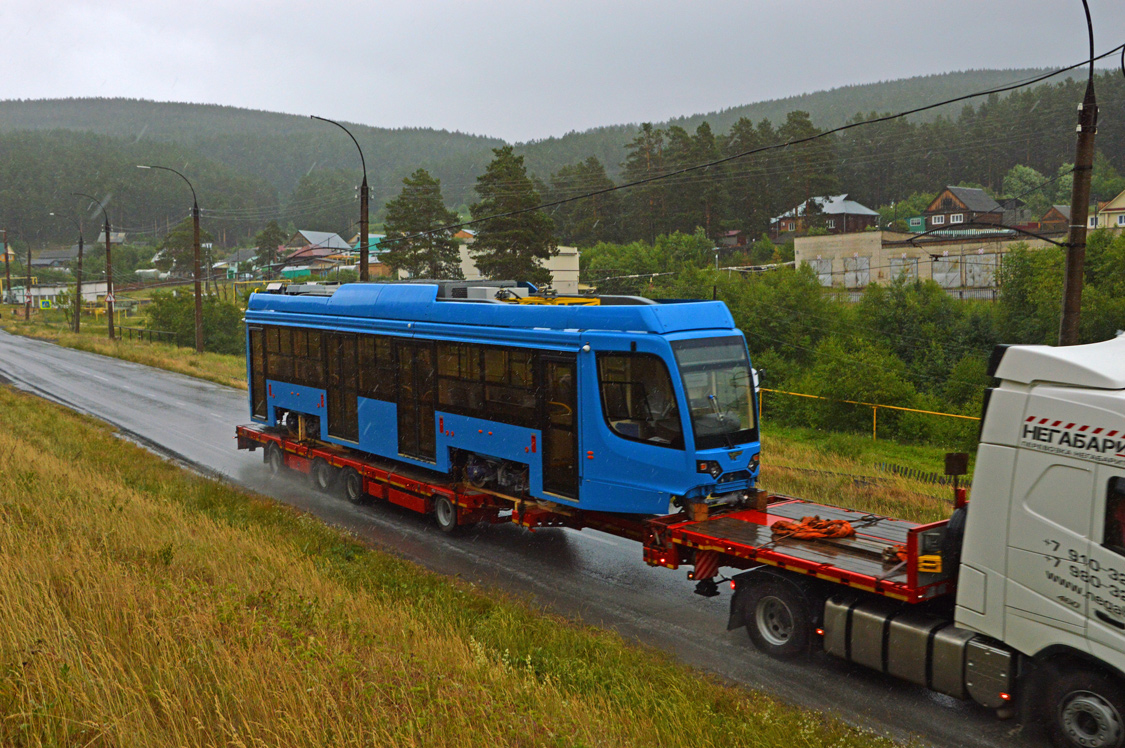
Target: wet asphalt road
x=587 y=575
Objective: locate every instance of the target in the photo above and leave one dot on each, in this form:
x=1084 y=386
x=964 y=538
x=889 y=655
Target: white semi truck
x=1037 y=610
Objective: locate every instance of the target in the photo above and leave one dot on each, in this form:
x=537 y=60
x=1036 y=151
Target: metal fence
x=140 y=333
x=874 y=408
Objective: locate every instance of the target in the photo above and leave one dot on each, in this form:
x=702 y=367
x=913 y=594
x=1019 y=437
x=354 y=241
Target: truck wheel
x=446 y=514
x=353 y=486
x=322 y=475
x=777 y=619
x=1086 y=711
x=275 y=460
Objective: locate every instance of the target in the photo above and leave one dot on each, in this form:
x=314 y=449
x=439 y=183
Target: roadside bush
x=222 y=321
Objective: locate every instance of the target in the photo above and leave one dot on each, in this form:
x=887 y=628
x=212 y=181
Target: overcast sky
x=518 y=69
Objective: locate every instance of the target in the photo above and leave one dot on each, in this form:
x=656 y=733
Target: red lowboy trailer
x=887 y=557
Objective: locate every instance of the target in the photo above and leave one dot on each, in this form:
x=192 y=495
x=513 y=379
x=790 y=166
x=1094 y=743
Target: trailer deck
x=869 y=560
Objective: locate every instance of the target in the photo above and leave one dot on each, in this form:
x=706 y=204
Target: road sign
x=109 y=299
x=44 y=303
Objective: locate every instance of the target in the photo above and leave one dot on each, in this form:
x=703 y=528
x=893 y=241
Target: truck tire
x=778 y=619
x=445 y=512
x=353 y=486
x=274 y=459
x=1086 y=710
x=322 y=475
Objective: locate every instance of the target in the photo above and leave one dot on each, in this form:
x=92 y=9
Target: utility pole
x=1079 y=205
x=7 y=268
x=77 y=279
x=27 y=289
x=78 y=286
x=109 y=300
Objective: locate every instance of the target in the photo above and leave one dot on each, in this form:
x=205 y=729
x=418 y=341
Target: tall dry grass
x=142 y=606
x=808 y=471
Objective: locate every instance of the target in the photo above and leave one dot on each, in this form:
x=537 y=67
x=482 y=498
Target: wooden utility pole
x=7 y=268
x=108 y=277
x=27 y=288
x=78 y=286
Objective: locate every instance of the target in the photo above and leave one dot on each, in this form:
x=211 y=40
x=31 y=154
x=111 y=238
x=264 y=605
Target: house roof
x=1116 y=204
x=1064 y=211
x=831 y=205
x=372 y=240
x=242 y=255
x=328 y=239
x=57 y=255
x=976 y=200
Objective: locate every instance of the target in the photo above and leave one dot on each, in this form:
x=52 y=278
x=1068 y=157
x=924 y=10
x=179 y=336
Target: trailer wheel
x=322 y=475
x=777 y=619
x=275 y=460
x=353 y=486
x=446 y=514
x=1087 y=710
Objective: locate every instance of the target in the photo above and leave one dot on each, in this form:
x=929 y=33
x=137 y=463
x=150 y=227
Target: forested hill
x=827 y=109
x=279 y=148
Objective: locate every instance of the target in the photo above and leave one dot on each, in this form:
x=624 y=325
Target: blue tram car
x=628 y=405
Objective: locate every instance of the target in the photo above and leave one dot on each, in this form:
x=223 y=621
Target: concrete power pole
x=1079 y=204
x=108 y=278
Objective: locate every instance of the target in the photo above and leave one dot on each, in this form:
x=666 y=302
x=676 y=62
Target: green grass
x=146 y=606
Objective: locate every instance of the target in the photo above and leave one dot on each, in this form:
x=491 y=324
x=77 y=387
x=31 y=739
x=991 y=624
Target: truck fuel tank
x=918 y=647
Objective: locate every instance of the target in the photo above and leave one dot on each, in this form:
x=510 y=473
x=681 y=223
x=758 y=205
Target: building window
x=789 y=226
x=957 y=218
x=830 y=223
x=937 y=220
x=915 y=221
x=1121 y=220
x=1093 y=222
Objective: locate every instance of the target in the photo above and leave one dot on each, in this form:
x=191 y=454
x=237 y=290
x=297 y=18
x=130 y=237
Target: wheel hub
x=1089 y=720
x=775 y=621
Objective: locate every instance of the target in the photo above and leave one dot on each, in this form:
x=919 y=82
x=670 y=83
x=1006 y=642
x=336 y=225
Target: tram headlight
x=711 y=467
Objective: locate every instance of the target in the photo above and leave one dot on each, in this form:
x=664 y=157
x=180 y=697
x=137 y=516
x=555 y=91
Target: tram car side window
x=638 y=400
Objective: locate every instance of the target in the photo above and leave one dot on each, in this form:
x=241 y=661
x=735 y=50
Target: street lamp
x=363 y=238
x=195 y=255
x=77 y=275
x=108 y=263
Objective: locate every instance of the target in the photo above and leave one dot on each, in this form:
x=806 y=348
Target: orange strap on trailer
x=810 y=528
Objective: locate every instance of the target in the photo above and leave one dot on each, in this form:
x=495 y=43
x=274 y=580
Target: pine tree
x=584 y=223
x=645 y=204
x=267 y=242
x=420 y=213
x=177 y=252
x=511 y=247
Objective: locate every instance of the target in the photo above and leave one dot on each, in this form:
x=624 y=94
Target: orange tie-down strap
x=810 y=528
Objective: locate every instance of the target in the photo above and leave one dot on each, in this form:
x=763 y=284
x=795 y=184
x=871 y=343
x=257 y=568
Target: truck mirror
x=956 y=463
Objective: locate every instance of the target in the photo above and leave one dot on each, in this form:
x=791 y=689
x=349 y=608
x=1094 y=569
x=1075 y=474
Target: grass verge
x=214 y=367
x=146 y=606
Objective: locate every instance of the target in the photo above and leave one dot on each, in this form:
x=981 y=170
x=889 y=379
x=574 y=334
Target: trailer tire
x=445 y=513
x=778 y=619
x=353 y=486
x=322 y=475
x=274 y=459
x=1086 y=710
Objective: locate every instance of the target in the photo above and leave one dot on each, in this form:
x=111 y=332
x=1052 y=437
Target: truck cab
x=1043 y=559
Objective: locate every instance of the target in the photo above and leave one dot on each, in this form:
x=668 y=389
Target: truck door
x=1048 y=542
x=1105 y=562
